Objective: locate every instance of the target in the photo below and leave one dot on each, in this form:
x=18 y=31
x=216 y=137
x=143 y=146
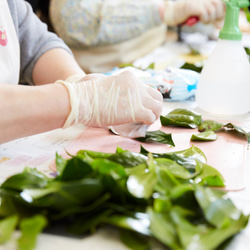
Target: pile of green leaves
x=154 y=199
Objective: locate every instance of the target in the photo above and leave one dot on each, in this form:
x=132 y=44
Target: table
x=39 y=150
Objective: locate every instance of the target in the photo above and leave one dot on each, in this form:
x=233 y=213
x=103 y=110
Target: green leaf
x=165 y=181
x=163 y=229
x=105 y=166
x=138 y=223
x=162 y=204
x=238 y=129
x=204 y=136
x=218 y=209
x=135 y=240
x=74 y=169
x=7 y=227
x=92 y=154
x=30 y=228
x=128 y=159
x=25 y=180
x=192 y=153
x=189 y=155
x=62 y=195
x=191 y=67
x=88 y=223
x=203 y=236
x=180 y=190
x=208 y=125
x=142 y=185
x=156 y=136
x=210 y=177
x=181 y=117
x=176 y=169
x=60 y=163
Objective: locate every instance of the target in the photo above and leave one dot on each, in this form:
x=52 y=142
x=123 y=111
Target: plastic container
x=224 y=86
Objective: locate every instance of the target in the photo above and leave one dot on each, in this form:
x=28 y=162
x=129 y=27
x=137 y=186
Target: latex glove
x=113 y=100
x=132 y=130
x=208 y=11
x=79 y=78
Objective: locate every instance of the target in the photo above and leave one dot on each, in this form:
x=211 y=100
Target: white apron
x=9 y=47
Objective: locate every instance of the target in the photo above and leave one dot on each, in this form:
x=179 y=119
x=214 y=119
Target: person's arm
x=45 y=58
x=95 y=101
x=53 y=65
x=29 y=110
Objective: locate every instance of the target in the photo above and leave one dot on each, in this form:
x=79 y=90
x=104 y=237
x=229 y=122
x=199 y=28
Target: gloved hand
x=208 y=11
x=113 y=100
x=79 y=78
x=132 y=130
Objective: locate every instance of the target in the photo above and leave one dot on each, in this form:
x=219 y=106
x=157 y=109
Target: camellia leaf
x=210 y=177
x=74 y=169
x=166 y=181
x=134 y=240
x=176 y=169
x=204 y=136
x=163 y=229
x=203 y=236
x=157 y=136
x=128 y=159
x=191 y=67
x=142 y=185
x=217 y=208
x=105 y=166
x=139 y=222
x=208 y=125
x=25 y=180
x=181 y=117
x=238 y=129
x=7 y=227
x=187 y=155
x=30 y=228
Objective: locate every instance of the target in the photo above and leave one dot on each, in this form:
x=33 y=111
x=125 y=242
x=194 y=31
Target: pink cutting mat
x=227 y=154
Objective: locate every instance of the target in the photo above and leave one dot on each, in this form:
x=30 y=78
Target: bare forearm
x=53 y=65
x=28 y=110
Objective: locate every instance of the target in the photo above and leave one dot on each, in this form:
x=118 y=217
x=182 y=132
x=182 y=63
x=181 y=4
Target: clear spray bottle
x=224 y=86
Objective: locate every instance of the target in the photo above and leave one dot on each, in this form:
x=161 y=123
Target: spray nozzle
x=230 y=30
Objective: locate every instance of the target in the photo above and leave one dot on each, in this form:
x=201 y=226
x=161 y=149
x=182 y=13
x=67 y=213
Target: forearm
x=28 y=110
x=53 y=65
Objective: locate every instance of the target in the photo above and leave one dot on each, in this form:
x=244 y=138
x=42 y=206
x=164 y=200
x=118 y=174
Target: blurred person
x=105 y=33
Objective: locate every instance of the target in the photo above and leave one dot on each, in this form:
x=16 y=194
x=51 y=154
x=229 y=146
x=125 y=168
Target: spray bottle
x=224 y=86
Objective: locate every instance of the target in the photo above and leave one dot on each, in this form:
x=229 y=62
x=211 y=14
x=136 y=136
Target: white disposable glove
x=208 y=11
x=122 y=99
x=79 y=77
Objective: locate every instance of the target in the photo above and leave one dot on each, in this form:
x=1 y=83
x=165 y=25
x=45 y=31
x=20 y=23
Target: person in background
x=105 y=33
x=61 y=94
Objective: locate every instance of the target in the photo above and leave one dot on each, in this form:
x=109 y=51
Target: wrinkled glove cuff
x=74 y=102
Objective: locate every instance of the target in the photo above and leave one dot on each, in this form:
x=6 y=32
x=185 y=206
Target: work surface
x=39 y=151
